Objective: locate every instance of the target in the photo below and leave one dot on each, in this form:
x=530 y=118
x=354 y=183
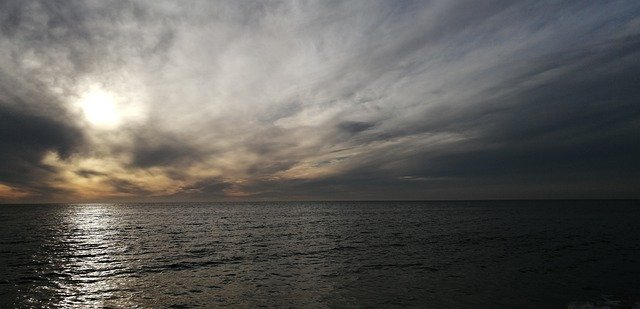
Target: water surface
x=321 y=254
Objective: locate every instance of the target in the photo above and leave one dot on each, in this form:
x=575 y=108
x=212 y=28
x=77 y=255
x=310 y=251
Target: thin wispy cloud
x=161 y=100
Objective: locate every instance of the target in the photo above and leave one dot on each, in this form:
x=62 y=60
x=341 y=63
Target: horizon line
x=323 y=201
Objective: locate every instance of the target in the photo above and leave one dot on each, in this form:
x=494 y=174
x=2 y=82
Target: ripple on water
x=444 y=254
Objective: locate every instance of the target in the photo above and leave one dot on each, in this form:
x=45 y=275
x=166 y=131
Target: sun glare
x=100 y=108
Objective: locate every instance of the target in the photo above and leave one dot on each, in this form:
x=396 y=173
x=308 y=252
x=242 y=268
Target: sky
x=318 y=100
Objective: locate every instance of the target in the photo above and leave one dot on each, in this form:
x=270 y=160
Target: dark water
x=338 y=254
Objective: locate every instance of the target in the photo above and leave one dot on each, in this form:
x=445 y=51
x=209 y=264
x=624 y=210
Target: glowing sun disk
x=100 y=108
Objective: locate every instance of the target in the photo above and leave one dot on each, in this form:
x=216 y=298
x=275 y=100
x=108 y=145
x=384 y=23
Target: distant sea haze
x=481 y=254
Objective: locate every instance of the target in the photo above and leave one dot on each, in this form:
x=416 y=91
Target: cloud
x=126 y=187
x=316 y=99
x=203 y=190
x=160 y=149
x=25 y=138
x=354 y=127
x=87 y=173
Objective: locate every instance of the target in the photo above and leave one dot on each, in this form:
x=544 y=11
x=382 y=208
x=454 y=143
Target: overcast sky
x=285 y=100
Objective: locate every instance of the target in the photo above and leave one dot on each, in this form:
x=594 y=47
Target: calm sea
x=322 y=254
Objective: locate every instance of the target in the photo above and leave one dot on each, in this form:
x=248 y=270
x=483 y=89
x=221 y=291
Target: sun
x=100 y=108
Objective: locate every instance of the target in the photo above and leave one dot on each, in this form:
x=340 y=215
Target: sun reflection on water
x=92 y=276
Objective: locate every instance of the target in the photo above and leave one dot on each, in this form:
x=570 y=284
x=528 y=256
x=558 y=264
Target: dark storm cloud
x=161 y=155
x=353 y=127
x=161 y=149
x=583 y=120
x=340 y=99
x=579 y=125
x=51 y=50
x=24 y=140
x=86 y=173
x=127 y=187
x=205 y=189
x=210 y=186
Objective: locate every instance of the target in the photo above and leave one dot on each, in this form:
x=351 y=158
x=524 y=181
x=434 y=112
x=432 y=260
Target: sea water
x=321 y=254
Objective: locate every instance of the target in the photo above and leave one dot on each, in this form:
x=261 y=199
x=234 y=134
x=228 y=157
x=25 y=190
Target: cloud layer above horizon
x=286 y=100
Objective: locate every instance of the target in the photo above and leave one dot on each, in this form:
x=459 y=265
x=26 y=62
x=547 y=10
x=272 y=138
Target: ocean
x=463 y=254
